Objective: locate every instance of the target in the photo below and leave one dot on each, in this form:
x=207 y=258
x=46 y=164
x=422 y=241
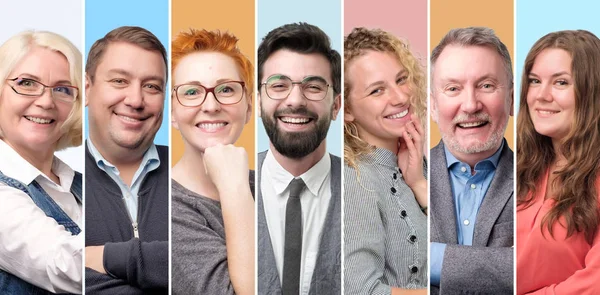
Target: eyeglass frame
x=51 y=87
x=297 y=83
x=209 y=90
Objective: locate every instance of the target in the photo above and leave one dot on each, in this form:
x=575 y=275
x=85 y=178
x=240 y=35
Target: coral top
x=547 y=265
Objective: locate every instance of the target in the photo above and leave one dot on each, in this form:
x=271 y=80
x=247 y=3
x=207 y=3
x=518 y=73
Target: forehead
x=468 y=63
x=552 y=60
x=296 y=65
x=132 y=59
x=43 y=63
x=206 y=67
x=372 y=66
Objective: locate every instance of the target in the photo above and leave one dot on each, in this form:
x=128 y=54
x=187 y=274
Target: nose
x=398 y=96
x=45 y=101
x=210 y=104
x=471 y=103
x=543 y=92
x=296 y=97
x=135 y=98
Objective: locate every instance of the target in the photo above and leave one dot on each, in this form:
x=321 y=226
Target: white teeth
x=295 y=120
x=472 y=124
x=211 y=126
x=547 y=112
x=38 y=120
x=398 y=115
x=130 y=119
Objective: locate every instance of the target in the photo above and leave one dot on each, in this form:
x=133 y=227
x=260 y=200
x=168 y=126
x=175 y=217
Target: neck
x=474 y=158
x=40 y=159
x=190 y=173
x=126 y=160
x=297 y=167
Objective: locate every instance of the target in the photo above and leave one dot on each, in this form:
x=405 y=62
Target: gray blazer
x=487 y=266
x=327 y=274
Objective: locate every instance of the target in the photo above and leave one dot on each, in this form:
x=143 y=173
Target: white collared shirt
x=33 y=246
x=315 y=202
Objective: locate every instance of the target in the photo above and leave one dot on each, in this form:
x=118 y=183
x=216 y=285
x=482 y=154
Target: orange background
x=497 y=15
x=237 y=17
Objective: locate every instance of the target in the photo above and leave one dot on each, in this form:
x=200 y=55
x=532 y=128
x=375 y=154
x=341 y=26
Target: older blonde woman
x=40 y=215
x=385 y=187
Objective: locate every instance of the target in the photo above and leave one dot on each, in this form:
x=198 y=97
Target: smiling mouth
x=39 y=120
x=469 y=125
x=546 y=112
x=295 y=120
x=211 y=126
x=129 y=119
x=398 y=115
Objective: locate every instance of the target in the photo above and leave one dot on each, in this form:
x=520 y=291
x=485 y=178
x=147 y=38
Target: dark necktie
x=293 y=240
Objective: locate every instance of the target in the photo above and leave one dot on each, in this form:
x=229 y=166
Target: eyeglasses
x=30 y=87
x=194 y=94
x=280 y=86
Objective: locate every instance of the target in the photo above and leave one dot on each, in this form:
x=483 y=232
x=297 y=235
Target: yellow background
x=497 y=15
x=236 y=17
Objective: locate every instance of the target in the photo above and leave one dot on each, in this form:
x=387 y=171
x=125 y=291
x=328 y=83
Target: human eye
x=531 y=80
x=118 y=82
x=377 y=91
x=153 y=88
x=452 y=90
x=487 y=87
x=402 y=80
x=562 y=82
x=27 y=83
x=63 y=90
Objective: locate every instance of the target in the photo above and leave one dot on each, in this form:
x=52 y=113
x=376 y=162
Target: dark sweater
x=135 y=266
x=199 y=250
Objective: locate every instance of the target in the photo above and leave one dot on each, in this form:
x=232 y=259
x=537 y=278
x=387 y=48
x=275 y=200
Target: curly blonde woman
x=385 y=186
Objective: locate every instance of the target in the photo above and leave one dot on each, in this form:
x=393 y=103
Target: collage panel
x=558 y=240
x=212 y=97
x=472 y=143
x=127 y=155
x=41 y=238
x=299 y=147
x=385 y=145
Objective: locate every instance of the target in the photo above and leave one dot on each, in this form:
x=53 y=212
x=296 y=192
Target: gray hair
x=474 y=36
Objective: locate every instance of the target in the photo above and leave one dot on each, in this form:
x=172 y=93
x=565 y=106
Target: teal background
x=327 y=15
x=103 y=16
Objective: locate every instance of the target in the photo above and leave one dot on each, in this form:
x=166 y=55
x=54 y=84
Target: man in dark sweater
x=126 y=175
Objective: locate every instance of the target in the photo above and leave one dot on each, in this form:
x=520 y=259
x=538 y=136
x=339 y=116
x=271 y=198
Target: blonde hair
x=356 y=44
x=18 y=46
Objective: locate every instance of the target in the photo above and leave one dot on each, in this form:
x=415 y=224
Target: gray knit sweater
x=199 y=254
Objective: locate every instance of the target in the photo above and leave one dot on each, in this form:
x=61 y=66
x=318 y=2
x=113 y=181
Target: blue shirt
x=150 y=162
x=468 y=191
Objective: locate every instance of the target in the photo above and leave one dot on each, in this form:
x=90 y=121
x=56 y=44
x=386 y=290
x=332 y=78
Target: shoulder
x=163 y=151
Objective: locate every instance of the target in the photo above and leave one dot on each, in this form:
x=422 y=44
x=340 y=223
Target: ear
x=348 y=116
x=259 y=104
x=433 y=109
x=512 y=101
x=337 y=103
x=173 y=121
x=249 y=111
x=88 y=83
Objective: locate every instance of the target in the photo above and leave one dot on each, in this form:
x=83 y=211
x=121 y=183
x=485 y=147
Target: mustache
x=466 y=117
x=302 y=111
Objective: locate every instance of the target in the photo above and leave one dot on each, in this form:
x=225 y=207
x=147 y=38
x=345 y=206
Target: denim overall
x=10 y=284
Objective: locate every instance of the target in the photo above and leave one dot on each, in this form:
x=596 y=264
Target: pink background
x=406 y=19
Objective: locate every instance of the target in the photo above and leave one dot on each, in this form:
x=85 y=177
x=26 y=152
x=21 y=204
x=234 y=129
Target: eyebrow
x=34 y=77
x=129 y=75
x=222 y=80
x=377 y=83
x=553 y=75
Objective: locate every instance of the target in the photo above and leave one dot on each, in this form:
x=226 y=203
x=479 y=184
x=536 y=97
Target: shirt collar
x=151 y=155
x=27 y=173
x=493 y=159
x=313 y=178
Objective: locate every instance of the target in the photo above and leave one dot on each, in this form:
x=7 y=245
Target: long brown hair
x=576 y=199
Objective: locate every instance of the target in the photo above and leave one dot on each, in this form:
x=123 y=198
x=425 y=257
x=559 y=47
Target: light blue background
x=536 y=18
x=103 y=16
x=324 y=14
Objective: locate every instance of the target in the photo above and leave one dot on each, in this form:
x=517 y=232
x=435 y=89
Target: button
x=395 y=176
x=463 y=169
x=473 y=186
x=466 y=222
x=403 y=213
x=414 y=269
x=393 y=190
x=412 y=238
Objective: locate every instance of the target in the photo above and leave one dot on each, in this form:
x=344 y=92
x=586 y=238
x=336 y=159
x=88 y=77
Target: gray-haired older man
x=472 y=167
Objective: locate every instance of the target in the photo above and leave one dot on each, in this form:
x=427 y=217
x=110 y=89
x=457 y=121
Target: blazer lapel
x=500 y=191
x=443 y=217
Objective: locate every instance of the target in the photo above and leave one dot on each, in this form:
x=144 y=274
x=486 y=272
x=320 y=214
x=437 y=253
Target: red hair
x=213 y=41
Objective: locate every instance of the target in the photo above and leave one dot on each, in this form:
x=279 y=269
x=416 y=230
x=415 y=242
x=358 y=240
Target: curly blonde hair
x=356 y=44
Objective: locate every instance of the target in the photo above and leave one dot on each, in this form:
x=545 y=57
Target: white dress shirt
x=35 y=247
x=315 y=201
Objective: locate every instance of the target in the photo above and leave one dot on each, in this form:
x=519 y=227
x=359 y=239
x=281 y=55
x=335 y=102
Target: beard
x=296 y=145
x=493 y=141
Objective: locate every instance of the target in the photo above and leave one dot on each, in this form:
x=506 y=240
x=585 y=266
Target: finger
x=407 y=140
x=417 y=123
x=412 y=131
